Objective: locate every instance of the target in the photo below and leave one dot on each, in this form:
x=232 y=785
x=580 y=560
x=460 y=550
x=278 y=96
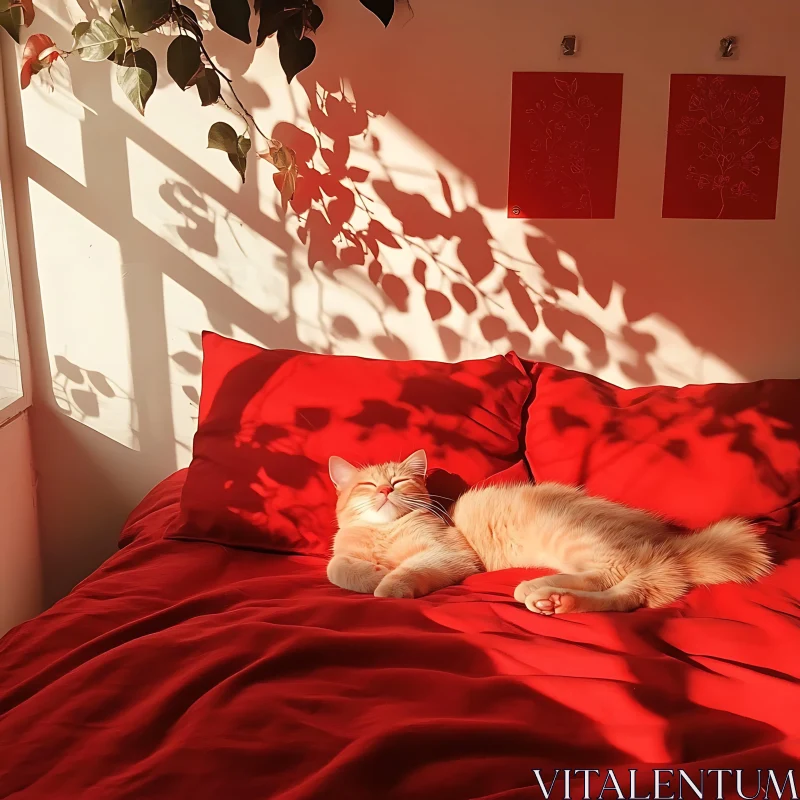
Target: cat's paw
x=354 y=574
x=546 y=600
x=394 y=587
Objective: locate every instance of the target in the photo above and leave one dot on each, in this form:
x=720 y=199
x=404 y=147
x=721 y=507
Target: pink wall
x=135 y=237
x=20 y=569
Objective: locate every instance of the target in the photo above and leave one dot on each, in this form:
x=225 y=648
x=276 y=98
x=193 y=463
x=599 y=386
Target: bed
x=197 y=669
x=184 y=669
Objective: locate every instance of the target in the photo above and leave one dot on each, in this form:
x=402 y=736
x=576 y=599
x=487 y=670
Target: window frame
x=9 y=226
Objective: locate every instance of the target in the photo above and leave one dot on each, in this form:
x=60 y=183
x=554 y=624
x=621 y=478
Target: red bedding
x=192 y=670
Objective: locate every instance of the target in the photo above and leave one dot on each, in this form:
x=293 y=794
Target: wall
x=135 y=238
x=20 y=572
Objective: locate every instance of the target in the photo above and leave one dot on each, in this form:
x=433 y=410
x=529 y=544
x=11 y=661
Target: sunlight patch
x=85 y=319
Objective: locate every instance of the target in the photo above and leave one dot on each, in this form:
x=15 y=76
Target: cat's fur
x=393 y=542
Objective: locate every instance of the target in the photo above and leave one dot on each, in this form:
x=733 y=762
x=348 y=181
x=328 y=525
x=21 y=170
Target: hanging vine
x=119 y=38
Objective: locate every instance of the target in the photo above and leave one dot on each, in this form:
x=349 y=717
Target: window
x=13 y=397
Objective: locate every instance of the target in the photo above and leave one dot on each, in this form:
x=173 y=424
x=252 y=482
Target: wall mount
x=569 y=45
x=727 y=46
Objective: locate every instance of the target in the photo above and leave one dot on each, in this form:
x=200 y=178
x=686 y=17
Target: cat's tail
x=729 y=550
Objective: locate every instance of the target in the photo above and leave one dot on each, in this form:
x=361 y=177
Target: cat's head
x=381 y=493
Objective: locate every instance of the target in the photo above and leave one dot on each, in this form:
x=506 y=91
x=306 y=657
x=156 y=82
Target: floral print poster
x=564 y=145
x=723 y=146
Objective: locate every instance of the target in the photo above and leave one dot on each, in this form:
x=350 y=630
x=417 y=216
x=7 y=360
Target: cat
x=393 y=541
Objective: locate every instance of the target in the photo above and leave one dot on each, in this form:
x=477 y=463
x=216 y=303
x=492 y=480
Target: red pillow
x=694 y=454
x=270 y=420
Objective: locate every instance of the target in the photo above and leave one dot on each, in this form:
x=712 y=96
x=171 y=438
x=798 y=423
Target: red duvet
x=191 y=670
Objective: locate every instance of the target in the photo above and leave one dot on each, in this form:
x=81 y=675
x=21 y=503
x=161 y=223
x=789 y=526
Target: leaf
x=286 y=183
x=239 y=157
x=40 y=50
x=118 y=24
x=145 y=15
x=279 y=155
x=80 y=29
x=25 y=6
x=137 y=76
x=11 y=20
x=97 y=42
x=284 y=159
x=208 y=87
x=295 y=54
x=118 y=56
x=233 y=17
x=314 y=17
x=189 y=19
x=222 y=136
x=271 y=20
x=382 y=9
x=28 y=12
x=183 y=61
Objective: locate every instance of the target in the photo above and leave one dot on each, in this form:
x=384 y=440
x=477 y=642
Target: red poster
x=564 y=145
x=723 y=146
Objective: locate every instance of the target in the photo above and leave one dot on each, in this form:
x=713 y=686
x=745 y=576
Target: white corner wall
x=135 y=237
x=20 y=567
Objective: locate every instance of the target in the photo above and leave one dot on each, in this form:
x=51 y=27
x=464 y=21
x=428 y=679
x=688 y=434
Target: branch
x=229 y=81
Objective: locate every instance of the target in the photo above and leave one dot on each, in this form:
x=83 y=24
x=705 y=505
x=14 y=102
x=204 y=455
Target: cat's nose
x=385 y=490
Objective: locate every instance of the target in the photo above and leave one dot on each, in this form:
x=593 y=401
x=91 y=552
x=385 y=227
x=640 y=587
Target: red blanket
x=190 y=670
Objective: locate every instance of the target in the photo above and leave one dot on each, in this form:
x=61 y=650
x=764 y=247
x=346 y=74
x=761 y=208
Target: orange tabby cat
x=394 y=542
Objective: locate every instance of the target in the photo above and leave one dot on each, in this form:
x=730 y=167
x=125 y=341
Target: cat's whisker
x=423 y=496
x=431 y=506
x=444 y=502
x=419 y=506
x=438 y=497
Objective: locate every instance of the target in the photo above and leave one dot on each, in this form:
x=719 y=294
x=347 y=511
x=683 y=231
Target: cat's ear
x=341 y=471
x=417 y=463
